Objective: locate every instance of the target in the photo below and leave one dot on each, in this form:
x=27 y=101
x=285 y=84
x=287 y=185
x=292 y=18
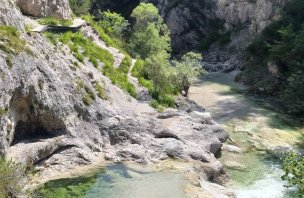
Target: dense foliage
x=185 y=70
x=80 y=7
x=293 y=165
x=114 y=24
x=280 y=44
x=150 y=41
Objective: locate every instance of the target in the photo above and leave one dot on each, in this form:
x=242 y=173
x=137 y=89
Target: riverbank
x=255 y=133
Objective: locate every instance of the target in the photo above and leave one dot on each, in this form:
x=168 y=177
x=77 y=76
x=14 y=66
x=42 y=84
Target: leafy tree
x=156 y=69
x=150 y=34
x=185 y=70
x=293 y=165
x=151 y=42
x=113 y=23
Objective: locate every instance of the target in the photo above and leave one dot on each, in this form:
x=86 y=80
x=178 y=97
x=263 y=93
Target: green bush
x=167 y=100
x=138 y=68
x=293 y=165
x=125 y=64
x=153 y=103
x=113 y=23
x=146 y=83
x=12 y=176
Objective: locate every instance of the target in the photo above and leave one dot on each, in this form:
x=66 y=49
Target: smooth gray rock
x=44 y=8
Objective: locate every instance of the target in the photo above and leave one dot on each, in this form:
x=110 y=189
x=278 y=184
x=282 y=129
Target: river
x=255 y=131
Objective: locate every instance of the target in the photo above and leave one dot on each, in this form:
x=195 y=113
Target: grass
x=87 y=100
x=10 y=41
x=107 y=39
x=82 y=48
x=88 y=95
x=100 y=92
x=3 y=112
x=155 y=104
x=54 y=21
x=12 y=178
x=125 y=64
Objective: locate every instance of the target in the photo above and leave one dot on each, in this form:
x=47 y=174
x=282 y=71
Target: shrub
x=293 y=165
x=10 y=41
x=138 y=68
x=100 y=30
x=114 y=24
x=12 y=176
x=146 y=83
x=87 y=100
x=80 y=7
x=100 y=92
x=167 y=100
x=153 y=103
x=125 y=64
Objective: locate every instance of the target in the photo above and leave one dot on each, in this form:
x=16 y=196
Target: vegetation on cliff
x=150 y=42
x=280 y=45
x=293 y=165
x=12 y=176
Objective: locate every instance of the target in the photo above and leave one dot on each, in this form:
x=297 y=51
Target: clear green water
x=117 y=181
x=254 y=173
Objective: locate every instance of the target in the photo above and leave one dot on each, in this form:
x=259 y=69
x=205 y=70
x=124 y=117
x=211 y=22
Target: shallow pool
x=117 y=181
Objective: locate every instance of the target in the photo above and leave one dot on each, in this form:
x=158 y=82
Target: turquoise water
x=117 y=181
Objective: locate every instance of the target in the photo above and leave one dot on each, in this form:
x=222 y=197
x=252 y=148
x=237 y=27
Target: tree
x=185 y=70
x=151 y=42
x=113 y=23
x=156 y=68
x=150 y=34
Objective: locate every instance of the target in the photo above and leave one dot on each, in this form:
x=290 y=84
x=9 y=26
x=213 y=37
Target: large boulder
x=44 y=8
x=9 y=15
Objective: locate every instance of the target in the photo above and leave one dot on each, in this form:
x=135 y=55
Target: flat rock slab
x=40 y=28
x=77 y=23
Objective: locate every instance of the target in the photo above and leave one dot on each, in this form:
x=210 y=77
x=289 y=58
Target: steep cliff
x=219 y=28
x=192 y=22
x=44 y=8
x=46 y=121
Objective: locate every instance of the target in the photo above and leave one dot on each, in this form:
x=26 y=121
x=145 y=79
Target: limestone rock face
x=190 y=21
x=9 y=15
x=43 y=8
x=44 y=120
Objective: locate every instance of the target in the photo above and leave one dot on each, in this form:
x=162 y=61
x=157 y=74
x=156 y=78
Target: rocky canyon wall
x=191 y=21
x=44 y=8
